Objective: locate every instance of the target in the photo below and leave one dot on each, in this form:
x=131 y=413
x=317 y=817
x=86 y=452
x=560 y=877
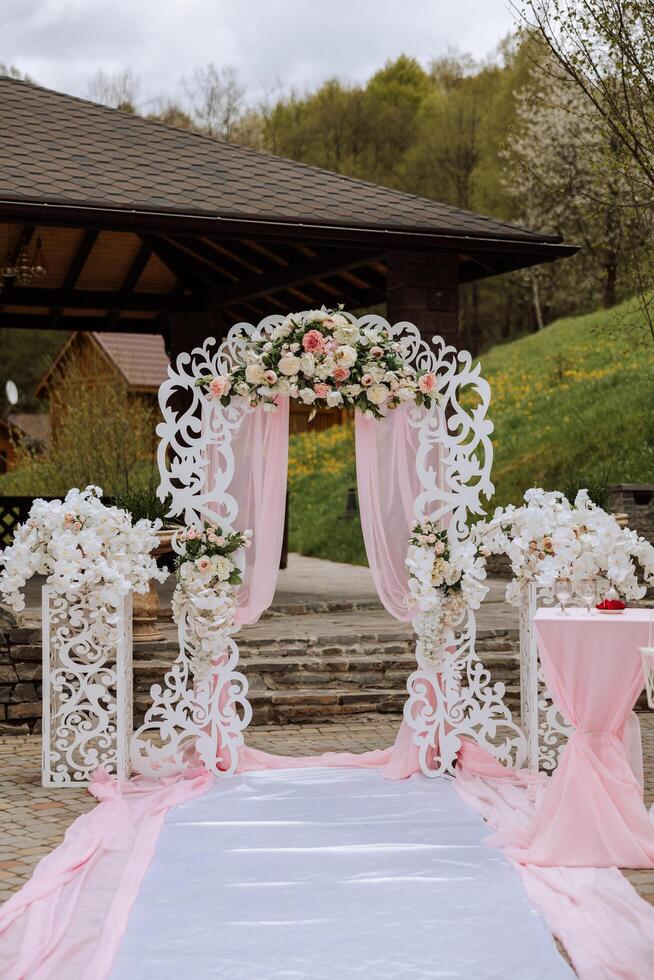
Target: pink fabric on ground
x=606 y=927
x=592 y=814
x=398 y=761
x=70 y=917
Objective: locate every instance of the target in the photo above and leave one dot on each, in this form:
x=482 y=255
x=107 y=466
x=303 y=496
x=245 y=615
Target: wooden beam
x=75 y=268
x=179 y=263
x=130 y=281
x=300 y=272
x=86 y=324
x=198 y=250
x=98 y=299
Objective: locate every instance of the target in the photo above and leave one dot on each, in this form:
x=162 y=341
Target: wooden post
x=188 y=330
x=423 y=288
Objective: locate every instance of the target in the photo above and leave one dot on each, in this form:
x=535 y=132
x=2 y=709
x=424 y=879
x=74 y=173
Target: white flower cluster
x=548 y=538
x=445 y=580
x=208 y=578
x=80 y=544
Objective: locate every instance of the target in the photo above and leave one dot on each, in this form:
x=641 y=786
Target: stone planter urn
x=146 y=606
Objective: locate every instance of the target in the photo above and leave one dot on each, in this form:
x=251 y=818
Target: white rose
x=345 y=356
x=344 y=332
x=289 y=364
x=222 y=566
x=325 y=368
x=404 y=394
x=308 y=396
x=254 y=373
x=334 y=398
x=307 y=364
x=352 y=390
x=377 y=394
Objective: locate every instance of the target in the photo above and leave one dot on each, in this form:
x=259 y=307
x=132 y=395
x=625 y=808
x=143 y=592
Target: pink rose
x=313 y=342
x=427 y=383
x=269 y=377
x=376 y=352
x=341 y=374
x=217 y=387
x=439 y=548
x=331 y=345
x=203 y=564
x=367 y=380
x=321 y=390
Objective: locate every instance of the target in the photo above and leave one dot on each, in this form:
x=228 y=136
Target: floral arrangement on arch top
x=548 y=537
x=445 y=580
x=323 y=359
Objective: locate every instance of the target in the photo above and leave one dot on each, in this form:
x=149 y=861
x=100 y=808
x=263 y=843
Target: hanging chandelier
x=25 y=267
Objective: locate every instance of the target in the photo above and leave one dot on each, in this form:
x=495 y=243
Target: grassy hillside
x=572 y=405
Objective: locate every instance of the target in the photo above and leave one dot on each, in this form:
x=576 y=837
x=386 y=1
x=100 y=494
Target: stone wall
x=20 y=680
x=637 y=501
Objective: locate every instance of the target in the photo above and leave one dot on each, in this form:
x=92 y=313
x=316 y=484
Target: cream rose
x=377 y=394
x=307 y=395
x=254 y=374
x=345 y=356
x=307 y=365
x=223 y=567
x=289 y=364
x=344 y=332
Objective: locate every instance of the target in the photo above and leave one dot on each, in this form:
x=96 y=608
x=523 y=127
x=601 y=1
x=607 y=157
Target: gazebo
x=144 y=228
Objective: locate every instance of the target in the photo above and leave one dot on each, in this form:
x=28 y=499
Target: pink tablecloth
x=592 y=813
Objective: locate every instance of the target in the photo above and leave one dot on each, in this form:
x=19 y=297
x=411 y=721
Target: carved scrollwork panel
x=87 y=687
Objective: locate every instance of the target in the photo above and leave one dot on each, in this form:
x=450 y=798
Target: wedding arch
x=422 y=459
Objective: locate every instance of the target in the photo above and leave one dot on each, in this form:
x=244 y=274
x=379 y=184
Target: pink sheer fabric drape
x=260 y=448
x=387 y=484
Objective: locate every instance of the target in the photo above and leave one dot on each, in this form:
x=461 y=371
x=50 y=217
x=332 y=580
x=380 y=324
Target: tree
x=216 y=98
x=118 y=89
x=605 y=49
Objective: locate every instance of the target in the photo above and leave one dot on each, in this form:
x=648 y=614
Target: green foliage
x=321 y=473
x=100 y=436
x=143 y=502
x=573 y=407
x=25 y=357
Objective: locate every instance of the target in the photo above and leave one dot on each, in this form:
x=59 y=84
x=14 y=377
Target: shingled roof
x=64 y=151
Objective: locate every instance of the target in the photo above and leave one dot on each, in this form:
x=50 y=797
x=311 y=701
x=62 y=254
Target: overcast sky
x=61 y=43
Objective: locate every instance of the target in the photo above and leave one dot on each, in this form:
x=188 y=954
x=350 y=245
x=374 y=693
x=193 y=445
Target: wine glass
x=587 y=591
x=563 y=592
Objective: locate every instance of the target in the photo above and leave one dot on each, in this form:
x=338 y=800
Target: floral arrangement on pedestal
x=80 y=544
x=208 y=575
x=323 y=359
x=445 y=580
x=547 y=538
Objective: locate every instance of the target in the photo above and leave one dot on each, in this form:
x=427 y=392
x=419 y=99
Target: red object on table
x=592 y=813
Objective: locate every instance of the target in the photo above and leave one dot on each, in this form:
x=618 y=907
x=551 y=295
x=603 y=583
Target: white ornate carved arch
x=453 y=465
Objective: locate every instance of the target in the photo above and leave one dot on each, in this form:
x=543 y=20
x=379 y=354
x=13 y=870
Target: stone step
x=366 y=670
x=329 y=644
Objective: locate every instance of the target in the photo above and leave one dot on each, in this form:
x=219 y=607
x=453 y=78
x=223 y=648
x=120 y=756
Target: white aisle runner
x=332 y=874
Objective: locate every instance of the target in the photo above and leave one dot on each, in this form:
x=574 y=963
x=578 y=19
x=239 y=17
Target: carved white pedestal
x=87 y=687
x=546 y=730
